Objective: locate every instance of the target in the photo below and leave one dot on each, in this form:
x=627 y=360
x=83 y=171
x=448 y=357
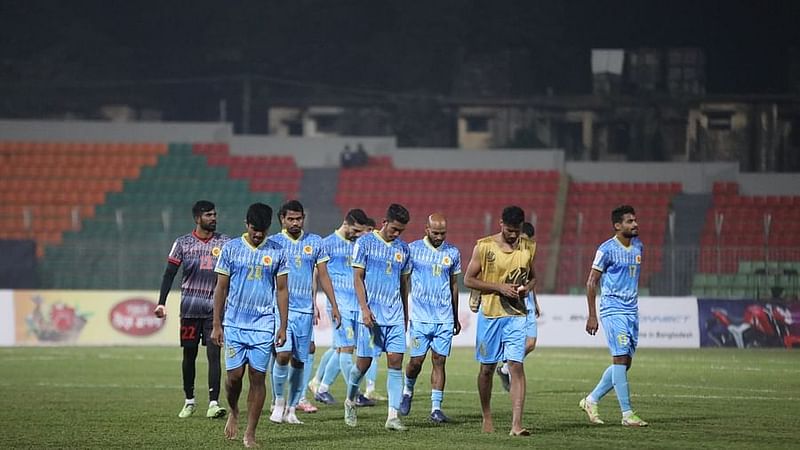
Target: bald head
x=437 y=219
x=436 y=229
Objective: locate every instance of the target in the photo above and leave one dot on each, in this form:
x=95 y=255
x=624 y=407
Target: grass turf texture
x=130 y=397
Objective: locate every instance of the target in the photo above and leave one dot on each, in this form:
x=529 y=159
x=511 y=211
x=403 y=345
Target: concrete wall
x=309 y=152
x=438 y=158
x=696 y=177
x=769 y=183
x=100 y=131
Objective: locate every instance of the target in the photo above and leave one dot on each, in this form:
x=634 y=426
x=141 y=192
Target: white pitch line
x=688 y=396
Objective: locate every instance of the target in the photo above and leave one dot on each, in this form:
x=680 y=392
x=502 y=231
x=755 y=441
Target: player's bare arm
x=327 y=287
x=314 y=284
x=220 y=295
x=472 y=281
x=528 y=287
x=405 y=288
x=282 y=288
x=591 y=295
x=361 y=295
x=454 y=300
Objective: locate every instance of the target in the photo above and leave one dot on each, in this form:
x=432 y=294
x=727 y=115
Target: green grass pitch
x=130 y=397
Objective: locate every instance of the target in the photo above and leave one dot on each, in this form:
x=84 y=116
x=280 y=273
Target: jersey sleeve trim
x=323 y=259
x=175 y=261
x=222 y=271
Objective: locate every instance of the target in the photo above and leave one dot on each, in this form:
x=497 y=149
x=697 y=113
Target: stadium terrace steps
x=124 y=246
x=318 y=200
x=589 y=206
x=471 y=199
x=47 y=188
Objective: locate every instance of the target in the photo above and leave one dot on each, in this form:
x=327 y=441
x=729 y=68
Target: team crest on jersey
x=490 y=257
x=307 y=249
x=638 y=259
x=216 y=251
x=267 y=260
x=398 y=257
x=446 y=261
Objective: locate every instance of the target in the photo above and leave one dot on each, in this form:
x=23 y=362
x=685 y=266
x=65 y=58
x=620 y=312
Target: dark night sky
x=396 y=45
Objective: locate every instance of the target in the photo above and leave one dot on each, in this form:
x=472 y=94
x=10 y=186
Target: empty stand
x=124 y=246
x=263 y=173
x=742 y=260
x=47 y=188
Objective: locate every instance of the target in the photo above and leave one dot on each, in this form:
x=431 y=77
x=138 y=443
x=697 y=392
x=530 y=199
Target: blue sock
x=436 y=399
x=620 y=377
x=323 y=363
x=307 y=369
x=394 y=387
x=603 y=386
x=372 y=373
x=353 y=380
x=345 y=364
x=295 y=385
x=410 y=382
x=279 y=375
x=331 y=370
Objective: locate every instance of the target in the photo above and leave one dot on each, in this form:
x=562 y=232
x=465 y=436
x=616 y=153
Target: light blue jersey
x=619 y=284
x=340 y=270
x=302 y=256
x=252 y=272
x=431 y=297
x=384 y=263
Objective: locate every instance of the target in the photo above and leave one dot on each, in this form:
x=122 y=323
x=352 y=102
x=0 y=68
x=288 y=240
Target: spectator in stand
x=347 y=157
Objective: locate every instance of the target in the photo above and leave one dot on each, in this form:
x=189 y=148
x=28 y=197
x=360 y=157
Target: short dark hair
x=528 y=229
x=291 y=205
x=356 y=216
x=397 y=213
x=513 y=215
x=371 y=222
x=259 y=216
x=201 y=207
x=619 y=212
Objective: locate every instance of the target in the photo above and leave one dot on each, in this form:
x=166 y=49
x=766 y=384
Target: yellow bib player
x=501 y=269
x=500 y=266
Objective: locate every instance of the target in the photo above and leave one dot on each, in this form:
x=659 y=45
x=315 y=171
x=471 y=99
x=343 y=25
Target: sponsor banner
x=7 y=325
x=745 y=324
x=668 y=322
x=94 y=318
x=126 y=318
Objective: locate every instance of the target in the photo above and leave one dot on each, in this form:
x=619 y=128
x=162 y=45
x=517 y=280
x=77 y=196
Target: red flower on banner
x=62 y=317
